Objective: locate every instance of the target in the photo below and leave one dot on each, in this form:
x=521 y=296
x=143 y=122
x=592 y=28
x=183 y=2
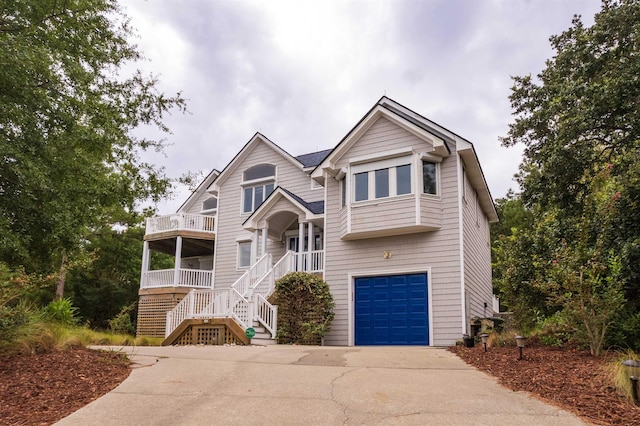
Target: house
x=395 y=218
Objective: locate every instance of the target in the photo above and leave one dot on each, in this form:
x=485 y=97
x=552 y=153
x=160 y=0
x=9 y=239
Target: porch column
x=264 y=241
x=300 y=244
x=145 y=262
x=310 y=249
x=255 y=246
x=178 y=262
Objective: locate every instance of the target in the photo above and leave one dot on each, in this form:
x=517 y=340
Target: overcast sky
x=304 y=72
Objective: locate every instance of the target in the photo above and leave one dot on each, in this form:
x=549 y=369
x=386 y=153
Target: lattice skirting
x=152 y=313
x=207 y=335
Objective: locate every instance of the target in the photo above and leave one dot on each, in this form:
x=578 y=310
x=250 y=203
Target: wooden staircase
x=217 y=317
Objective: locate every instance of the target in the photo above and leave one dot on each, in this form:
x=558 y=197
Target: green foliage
x=122 y=323
x=70 y=161
x=580 y=180
x=102 y=287
x=305 y=307
x=61 y=311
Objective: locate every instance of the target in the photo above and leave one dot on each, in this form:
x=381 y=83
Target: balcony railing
x=311 y=262
x=180 y=221
x=195 y=278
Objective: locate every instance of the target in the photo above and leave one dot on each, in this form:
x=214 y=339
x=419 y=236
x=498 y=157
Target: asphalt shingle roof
x=315 y=207
x=314 y=158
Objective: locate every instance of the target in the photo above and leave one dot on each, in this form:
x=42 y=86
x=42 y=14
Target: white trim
x=463 y=307
x=381 y=156
x=351 y=276
x=381 y=164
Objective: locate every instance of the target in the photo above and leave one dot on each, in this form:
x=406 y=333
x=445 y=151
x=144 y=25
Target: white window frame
x=438 y=180
x=239 y=264
x=370 y=168
x=210 y=212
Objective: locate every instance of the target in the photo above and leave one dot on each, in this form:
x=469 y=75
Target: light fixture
x=386 y=254
x=633 y=369
x=485 y=339
x=520 y=341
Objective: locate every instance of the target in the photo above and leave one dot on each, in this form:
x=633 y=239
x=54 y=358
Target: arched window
x=258 y=184
x=210 y=204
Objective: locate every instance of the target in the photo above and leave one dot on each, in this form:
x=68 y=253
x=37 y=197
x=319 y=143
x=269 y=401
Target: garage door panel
x=391 y=310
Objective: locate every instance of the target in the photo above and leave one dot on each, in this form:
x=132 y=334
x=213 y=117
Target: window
x=259 y=172
x=255 y=195
x=343 y=191
x=244 y=254
x=362 y=186
x=429 y=181
x=383 y=182
x=403 y=179
x=258 y=184
x=210 y=204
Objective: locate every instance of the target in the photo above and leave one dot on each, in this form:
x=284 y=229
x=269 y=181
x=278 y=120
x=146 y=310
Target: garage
x=391 y=310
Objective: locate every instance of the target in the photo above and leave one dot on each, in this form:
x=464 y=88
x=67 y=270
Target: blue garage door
x=391 y=310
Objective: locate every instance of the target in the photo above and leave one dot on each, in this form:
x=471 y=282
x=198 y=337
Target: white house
x=395 y=218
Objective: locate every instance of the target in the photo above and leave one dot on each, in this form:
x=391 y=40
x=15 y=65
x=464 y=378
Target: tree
x=69 y=162
x=580 y=124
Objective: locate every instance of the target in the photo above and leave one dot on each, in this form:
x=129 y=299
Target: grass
x=618 y=372
x=38 y=336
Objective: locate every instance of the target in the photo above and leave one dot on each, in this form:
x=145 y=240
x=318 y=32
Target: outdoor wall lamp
x=520 y=341
x=485 y=339
x=633 y=369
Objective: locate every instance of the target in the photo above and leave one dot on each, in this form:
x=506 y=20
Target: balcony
x=180 y=224
x=193 y=278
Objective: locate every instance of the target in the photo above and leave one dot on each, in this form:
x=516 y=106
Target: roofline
x=199 y=187
x=283 y=192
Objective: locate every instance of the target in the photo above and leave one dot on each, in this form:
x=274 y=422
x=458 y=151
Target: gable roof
x=313 y=210
x=202 y=187
x=425 y=129
x=244 y=153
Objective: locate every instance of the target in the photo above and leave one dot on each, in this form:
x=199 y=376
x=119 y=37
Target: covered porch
x=189 y=240
x=290 y=224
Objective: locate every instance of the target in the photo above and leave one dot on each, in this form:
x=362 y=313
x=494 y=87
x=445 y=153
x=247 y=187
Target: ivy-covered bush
x=305 y=308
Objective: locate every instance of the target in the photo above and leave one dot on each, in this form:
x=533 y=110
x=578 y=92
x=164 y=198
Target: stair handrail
x=179 y=313
x=239 y=308
x=266 y=284
x=266 y=314
x=253 y=274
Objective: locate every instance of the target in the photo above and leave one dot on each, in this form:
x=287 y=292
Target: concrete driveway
x=302 y=385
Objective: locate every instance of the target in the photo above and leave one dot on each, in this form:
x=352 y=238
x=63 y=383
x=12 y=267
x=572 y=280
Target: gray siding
x=230 y=214
x=477 y=256
x=437 y=251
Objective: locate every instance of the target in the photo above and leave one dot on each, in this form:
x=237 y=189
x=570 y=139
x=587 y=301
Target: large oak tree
x=69 y=160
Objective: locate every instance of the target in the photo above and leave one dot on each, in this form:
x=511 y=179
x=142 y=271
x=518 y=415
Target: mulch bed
x=44 y=388
x=568 y=378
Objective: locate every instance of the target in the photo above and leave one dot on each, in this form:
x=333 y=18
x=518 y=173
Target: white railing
x=311 y=262
x=180 y=221
x=253 y=274
x=186 y=278
x=266 y=314
x=209 y=304
x=266 y=284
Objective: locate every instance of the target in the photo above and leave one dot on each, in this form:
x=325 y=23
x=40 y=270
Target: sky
x=303 y=73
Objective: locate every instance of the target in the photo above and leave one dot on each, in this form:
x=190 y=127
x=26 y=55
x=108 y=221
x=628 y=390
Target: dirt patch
x=568 y=378
x=44 y=388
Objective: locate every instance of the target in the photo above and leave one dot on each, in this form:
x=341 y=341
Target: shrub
x=61 y=311
x=305 y=308
x=122 y=322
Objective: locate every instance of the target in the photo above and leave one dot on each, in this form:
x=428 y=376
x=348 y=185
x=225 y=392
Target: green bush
x=61 y=311
x=305 y=308
x=122 y=322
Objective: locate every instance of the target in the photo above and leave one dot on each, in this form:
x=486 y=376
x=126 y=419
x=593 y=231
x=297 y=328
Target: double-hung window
x=244 y=254
x=258 y=184
x=382 y=179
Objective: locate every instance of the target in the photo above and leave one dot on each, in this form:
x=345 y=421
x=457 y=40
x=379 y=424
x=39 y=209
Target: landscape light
x=485 y=339
x=520 y=340
x=633 y=369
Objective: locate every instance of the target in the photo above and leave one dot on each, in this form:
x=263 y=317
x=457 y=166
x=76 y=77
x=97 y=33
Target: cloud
x=304 y=72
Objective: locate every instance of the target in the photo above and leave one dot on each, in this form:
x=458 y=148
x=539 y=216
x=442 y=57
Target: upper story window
x=382 y=179
x=429 y=178
x=258 y=183
x=210 y=205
